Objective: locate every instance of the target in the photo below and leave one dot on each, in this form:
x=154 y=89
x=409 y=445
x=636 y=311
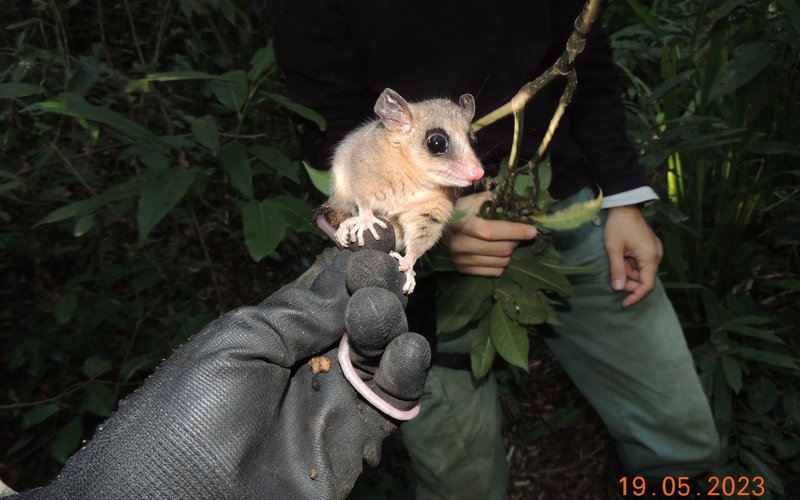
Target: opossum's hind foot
x=406 y=266
x=352 y=229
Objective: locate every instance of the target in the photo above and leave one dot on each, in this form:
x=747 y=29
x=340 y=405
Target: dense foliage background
x=149 y=181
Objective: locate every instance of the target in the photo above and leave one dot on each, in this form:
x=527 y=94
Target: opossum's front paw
x=342 y=235
x=363 y=223
x=406 y=266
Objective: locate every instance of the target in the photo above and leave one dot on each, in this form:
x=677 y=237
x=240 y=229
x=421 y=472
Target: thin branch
x=563 y=67
x=214 y=279
x=133 y=34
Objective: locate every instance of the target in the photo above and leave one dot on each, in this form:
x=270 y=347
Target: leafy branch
x=524 y=295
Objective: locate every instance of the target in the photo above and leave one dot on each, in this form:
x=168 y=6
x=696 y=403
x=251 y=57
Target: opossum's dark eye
x=437 y=142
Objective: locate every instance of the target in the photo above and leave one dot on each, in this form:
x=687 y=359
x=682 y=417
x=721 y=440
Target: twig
x=72 y=169
x=564 y=66
x=133 y=34
x=214 y=279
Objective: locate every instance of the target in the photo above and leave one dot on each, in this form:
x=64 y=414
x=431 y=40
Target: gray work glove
x=237 y=412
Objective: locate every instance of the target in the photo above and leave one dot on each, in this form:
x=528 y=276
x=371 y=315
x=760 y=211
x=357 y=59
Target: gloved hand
x=237 y=412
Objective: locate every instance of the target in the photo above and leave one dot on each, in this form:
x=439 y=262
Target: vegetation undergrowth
x=149 y=182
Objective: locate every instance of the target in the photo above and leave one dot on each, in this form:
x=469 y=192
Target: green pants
x=633 y=365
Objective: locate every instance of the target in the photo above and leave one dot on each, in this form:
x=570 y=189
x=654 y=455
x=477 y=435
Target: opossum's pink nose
x=474 y=173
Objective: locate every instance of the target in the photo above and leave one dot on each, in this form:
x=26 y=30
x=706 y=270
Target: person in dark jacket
x=620 y=340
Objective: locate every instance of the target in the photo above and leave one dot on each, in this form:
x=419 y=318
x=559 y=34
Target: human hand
x=483 y=247
x=237 y=412
x=634 y=252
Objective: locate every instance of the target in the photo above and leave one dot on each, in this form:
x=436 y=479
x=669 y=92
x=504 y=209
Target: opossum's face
x=435 y=135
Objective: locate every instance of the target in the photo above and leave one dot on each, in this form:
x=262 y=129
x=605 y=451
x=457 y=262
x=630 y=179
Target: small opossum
x=405 y=167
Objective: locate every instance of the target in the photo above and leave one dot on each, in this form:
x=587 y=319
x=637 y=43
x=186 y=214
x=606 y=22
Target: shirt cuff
x=630 y=197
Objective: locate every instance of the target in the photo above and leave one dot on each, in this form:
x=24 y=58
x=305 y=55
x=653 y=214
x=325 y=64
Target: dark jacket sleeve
x=598 y=121
x=323 y=70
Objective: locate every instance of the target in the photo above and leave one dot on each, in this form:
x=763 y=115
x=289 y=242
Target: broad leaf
x=67 y=440
x=571 y=217
x=298 y=213
x=16 y=90
x=95 y=366
x=528 y=307
x=233 y=91
x=99 y=400
x=747 y=63
x=206 y=132
x=732 y=372
x=264 y=227
x=277 y=162
x=762 y=395
x=531 y=274
x=320 y=178
x=234 y=160
x=301 y=110
x=160 y=196
x=510 y=339
x=482 y=352
x=262 y=60
x=465 y=294
x=170 y=76
x=37 y=414
x=77 y=107
x=65 y=307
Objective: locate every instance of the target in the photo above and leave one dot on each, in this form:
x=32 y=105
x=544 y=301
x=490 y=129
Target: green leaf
x=65 y=307
x=733 y=373
x=301 y=110
x=206 y=132
x=82 y=208
x=768 y=357
x=160 y=196
x=482 y=351
x=771 y=478
x=264 y=227
x=571 y=270
x=748 y=61
x=277 y=162
x=792 y=11
x=137 y=364
x=99 y=399
x=77 y=107
x=463 y=295
x=297 y=213
x=170 y=76
x=67 y=440
x=762 y=395
x=722 y=399
x=37 y=414
x=528 y=307
x=743 y=325
x=320 y=178
x=17 y=90
x=234 y=159
x=791 y=404
x=571 y=217
x=95 y=366
x=262 y=60
x=233 y=91
x=510 y=339
x=531 y=274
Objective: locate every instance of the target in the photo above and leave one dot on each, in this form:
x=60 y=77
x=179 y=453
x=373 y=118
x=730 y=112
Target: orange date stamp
x=682 y=486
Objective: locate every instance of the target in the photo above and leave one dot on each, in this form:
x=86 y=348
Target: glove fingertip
x=404 y=367
x=372 y=268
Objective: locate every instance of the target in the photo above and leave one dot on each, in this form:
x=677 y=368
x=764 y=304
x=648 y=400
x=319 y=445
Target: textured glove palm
x=238 y=413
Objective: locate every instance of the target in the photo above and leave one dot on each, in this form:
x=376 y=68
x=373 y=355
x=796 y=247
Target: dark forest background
x=150 y=180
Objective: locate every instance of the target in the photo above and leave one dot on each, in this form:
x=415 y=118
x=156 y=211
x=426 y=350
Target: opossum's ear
x=394 y=112
x=467 y=103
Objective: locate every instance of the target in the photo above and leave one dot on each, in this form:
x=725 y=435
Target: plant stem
x=564 y=66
